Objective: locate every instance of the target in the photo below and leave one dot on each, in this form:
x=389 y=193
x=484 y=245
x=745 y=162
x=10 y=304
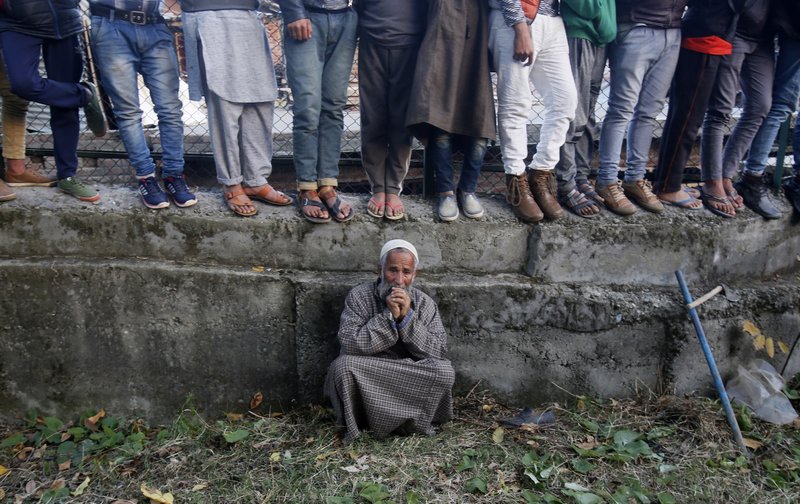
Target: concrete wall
x=133 y=310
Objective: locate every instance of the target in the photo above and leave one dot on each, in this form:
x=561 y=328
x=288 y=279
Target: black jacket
x=785 y=18
x=55 y=19
x=709 y=18
x=655 y=13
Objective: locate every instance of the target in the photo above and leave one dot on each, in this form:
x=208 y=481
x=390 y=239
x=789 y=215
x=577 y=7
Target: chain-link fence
x=104 y=159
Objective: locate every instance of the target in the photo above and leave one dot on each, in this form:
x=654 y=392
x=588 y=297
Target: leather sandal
x=236 y=197
x=268 y=194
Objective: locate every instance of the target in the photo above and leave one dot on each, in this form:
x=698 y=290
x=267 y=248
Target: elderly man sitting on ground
x=391 y=374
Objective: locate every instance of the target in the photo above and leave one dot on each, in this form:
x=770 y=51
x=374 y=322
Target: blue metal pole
x=712 y=365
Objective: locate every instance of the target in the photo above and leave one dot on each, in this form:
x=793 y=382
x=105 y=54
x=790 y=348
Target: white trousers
x=550 y=74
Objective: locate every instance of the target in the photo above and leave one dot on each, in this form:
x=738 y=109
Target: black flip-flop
x=333 y=209
x=304 y=202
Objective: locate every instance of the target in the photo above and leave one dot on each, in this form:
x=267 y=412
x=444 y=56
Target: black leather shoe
x=754 y=193
x=791 y=188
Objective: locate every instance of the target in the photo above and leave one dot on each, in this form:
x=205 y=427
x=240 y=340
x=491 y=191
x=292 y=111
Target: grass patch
x=647 y=450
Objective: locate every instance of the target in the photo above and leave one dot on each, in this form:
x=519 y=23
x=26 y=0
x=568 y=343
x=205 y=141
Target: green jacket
x=593 y=20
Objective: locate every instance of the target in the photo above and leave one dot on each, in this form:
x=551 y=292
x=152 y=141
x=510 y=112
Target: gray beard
x=384 y=288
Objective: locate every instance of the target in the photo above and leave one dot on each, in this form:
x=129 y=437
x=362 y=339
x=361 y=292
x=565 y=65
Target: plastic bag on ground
x=760 y=387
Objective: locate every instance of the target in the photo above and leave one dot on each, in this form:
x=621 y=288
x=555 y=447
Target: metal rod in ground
x=712 y=365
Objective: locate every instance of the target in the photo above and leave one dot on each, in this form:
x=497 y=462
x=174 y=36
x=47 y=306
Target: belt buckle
x=138 y=17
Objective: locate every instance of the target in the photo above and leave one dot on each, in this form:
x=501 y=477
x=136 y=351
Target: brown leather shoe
x=519 y=196
x=641 y=192
x=6 y=193
x=543 y=188
x=29 y=178
x=615 y=199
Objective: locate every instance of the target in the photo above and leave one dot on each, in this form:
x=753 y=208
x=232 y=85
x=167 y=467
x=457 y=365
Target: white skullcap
x=402 y=244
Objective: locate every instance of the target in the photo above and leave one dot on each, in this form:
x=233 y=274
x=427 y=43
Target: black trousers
x=688 y=100
x=385 y=75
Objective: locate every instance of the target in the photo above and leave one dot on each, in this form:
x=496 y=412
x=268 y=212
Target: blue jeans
x=440 y=152
x=318 y=71
x=123 y=50
x=642 y=63
x=785 y=93
x=60 y=90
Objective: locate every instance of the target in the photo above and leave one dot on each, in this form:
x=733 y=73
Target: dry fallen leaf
x=4 y=470
x=750 y=328
x=156 y=496
x=124 y=502
x=234 y=417
x=588 y=445
x=23 y=453
x=30 y=487
x=65 y=436
x=199 y=486
x=100 y=414
x=770 y=348
x=487 y=407
x=752 y=443
x=58 y=484
x=796 y=423
x=759 y=342
x=2 y=494
x=275 y=457
x=783 y=347
x=82 y=487
x=63 y=466
x=256 y=400
x=257 y=269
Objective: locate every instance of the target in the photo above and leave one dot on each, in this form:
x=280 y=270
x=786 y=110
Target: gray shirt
x=392 y=23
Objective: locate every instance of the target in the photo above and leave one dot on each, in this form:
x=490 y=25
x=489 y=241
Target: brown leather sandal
x=268 y=194
x=236 y=197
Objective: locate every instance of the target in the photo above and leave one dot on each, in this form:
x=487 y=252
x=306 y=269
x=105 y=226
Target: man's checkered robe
x=390 y=376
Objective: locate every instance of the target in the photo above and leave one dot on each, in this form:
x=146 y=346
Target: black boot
x=754 y=193
x=791 y=188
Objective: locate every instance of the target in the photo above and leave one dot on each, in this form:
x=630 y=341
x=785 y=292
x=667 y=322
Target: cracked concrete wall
x=115 y=306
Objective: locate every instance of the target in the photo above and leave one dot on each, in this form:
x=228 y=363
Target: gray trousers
x=241 y=138
x=588 y=62
x=753 y=65
x=385 y=75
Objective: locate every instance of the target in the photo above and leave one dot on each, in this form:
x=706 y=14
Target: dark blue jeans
x=440 y=152
x=64 y=64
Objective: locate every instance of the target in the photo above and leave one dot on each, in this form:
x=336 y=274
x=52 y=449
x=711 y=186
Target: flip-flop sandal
x=236 y=197
x=269 y=195
x=379 y=204
x=734 y=197
x=334 y=209
x=395 y=208
x=588 y=190
x=686 y=204
x=709 y=198
x=305 y=202
x=576 y=201
x=692 y=191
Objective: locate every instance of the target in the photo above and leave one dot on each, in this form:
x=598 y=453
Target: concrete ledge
x=644 y=249
x=138 y=336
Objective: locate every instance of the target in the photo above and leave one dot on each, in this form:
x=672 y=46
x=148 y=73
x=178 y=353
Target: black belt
x=133 y=17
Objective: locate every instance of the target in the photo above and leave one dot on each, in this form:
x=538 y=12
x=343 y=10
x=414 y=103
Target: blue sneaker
x=176 y=187
x=152 y=195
